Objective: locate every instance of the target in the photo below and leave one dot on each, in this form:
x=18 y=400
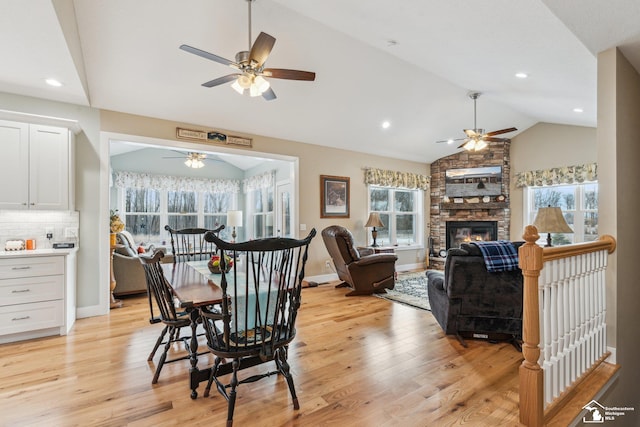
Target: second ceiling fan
x=250 y=64
x=476 y=139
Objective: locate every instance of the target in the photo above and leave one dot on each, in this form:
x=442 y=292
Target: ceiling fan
x=250 y=64
x=192 y=159
x=476 y=139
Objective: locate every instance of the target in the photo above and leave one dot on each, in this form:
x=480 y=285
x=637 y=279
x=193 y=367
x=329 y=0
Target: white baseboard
x=409 y=267
x=612 y=357
x=89 y=311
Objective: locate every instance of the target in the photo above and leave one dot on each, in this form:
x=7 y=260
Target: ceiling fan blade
x=269 y=95
x=464 y=143
x=471 y=133
x=261 y=48
x=281 y=73
x=451 y=139
x=221 y=80
x=209 y=56
x=492 y=139
x=501 y=131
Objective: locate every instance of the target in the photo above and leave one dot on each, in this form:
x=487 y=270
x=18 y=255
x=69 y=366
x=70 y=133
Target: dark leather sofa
x=471 y=302
x=363 y=271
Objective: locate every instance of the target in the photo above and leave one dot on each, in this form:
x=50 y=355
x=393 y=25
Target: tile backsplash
x=20 y=224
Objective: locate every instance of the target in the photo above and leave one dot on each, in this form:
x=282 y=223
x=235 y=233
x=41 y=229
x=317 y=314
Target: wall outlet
x=71 y=232
x=327 y=265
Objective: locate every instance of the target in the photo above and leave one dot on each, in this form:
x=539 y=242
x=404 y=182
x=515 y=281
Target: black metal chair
x=173 y=321
x=255 y=322
x=189 y=244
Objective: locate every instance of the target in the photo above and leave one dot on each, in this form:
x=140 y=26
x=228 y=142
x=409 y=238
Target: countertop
x=37 y=252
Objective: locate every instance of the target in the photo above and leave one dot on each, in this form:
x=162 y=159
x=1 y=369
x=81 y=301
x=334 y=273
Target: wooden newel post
x=531 y=375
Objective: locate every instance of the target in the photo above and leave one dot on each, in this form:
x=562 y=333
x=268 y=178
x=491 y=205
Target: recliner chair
x=365 y=272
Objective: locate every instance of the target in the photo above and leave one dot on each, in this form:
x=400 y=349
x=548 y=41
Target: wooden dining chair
x=173 y=320
x=189 y=244
x=255 y=321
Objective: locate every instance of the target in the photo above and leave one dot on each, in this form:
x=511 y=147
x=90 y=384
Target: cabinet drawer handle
x=26 y=267
x=17 y=291
x=21 y=318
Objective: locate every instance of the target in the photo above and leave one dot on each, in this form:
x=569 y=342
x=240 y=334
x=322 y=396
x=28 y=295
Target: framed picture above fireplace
x=473 y=182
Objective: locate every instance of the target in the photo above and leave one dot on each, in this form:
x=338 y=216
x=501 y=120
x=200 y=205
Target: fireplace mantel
x=475 y=206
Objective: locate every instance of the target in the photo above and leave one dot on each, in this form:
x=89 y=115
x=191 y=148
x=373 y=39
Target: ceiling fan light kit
x=195 y=160
x=476 y=139
x=250 y=63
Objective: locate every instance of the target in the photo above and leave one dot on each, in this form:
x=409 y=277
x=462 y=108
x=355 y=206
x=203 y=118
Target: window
x=579 y=204
x=261 y=212
x=401 y=212
x=147 y=210
x=142 y=213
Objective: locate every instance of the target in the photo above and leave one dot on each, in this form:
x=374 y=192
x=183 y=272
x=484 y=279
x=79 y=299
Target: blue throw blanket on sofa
x=500 y=255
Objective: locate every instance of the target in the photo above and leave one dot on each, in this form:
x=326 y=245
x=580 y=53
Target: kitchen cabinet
x=36 y=166
x=37 y=294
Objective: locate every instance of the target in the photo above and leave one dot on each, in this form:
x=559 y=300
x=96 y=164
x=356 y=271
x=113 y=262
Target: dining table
x=195 y=286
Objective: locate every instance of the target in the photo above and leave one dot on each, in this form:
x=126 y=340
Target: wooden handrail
x=556 y=252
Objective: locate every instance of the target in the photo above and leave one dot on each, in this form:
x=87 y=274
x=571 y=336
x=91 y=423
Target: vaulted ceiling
x=411 y=63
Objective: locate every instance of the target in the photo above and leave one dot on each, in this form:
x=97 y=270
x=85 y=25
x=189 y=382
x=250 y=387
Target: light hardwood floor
x=357 y=361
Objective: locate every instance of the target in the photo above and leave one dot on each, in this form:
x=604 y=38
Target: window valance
x=559 y=175
x=394 y=179
x=124 y=179
x=264 y=180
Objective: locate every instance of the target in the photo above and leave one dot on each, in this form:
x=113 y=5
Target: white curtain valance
x=559 y=175
x=264 y=180
x=394 y=179
x=124 y=179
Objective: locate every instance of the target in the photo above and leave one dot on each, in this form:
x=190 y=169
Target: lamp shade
x=551 y=220
x=234 y=218
x=374 y=220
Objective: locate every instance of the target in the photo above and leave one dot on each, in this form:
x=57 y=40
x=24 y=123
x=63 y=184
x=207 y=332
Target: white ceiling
x=411 y=62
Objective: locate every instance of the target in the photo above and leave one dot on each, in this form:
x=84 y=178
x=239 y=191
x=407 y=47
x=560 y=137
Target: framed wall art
x=334 y=196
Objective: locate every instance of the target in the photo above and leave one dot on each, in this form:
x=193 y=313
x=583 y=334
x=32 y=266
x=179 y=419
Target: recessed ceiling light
x=450 y=141
x=53 y=82
x=386 y=124
x=578 y=110
x=522 y=75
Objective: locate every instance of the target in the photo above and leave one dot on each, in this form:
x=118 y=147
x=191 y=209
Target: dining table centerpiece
x=214 y=264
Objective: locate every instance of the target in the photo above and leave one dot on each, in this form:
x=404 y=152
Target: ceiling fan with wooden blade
x=250 y=78
x=476 y=138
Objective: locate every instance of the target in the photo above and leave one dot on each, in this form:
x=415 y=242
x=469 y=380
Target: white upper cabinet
x=35 y=167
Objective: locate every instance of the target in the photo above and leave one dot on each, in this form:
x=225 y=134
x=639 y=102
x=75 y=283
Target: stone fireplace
x=470 y=231
x=494 y=209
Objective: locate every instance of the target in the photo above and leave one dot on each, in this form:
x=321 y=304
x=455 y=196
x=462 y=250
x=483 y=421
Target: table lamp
x=374 y=221
x=234 y=219
x=550 y=220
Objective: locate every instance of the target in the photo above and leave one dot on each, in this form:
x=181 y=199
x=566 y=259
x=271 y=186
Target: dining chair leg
x=212 y=376
x=232 y=395
x=283 y=367
x=158 y=342
x=163 y=357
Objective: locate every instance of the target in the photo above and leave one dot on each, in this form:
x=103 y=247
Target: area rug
x=410 y=289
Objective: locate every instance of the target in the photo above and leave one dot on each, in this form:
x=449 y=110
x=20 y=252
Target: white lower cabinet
x=33 y=297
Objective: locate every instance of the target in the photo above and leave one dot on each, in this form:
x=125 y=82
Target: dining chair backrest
x=157 y=286
x=261 y=295
x=189 y=244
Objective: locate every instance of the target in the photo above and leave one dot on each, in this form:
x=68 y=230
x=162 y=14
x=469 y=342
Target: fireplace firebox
x=458 y=232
